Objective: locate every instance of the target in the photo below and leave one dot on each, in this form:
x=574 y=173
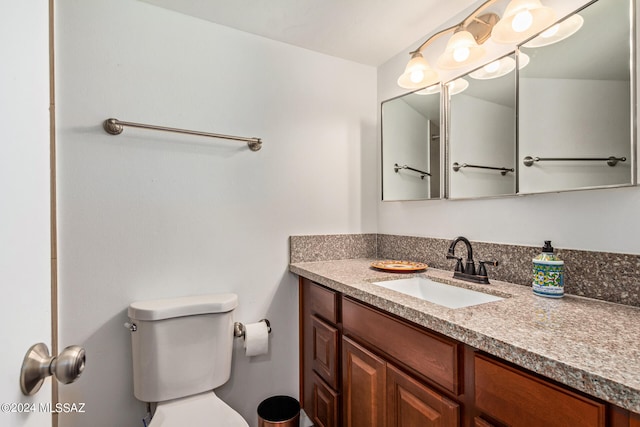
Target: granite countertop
x=590 y=345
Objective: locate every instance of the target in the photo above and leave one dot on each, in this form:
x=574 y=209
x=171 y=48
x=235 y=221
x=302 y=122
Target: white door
x=25 y=254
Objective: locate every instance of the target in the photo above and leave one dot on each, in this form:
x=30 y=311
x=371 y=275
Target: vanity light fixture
x=418 y=73
x=558 y=32
x=522 y=19
x=462 y=49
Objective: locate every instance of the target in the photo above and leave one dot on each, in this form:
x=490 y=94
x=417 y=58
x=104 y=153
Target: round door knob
x=38 y=365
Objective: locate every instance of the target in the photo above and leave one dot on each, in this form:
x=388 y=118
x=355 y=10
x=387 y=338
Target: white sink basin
x=438 y=293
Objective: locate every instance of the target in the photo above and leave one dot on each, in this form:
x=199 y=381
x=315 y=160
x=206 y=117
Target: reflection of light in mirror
x=429 y=90
x=495 y=69
x=523 y=60
x=558 y=32
x=550 y=32
x=456 y=86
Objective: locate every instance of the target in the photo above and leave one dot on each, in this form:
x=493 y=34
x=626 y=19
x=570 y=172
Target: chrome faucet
x=468 y=270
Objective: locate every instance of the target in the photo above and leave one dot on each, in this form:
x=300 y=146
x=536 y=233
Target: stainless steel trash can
x=279 y=411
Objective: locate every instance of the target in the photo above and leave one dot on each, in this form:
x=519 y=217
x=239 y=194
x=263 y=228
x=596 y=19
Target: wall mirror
x=482 y=131
x=411 y=146
x=575 y=126
x=562 y=118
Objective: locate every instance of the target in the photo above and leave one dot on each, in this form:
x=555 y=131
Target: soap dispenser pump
x=548 y=273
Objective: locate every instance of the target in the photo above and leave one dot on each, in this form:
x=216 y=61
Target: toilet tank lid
x=168 y=308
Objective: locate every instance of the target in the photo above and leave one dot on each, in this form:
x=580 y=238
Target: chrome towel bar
x=503 y=171
x=396 y=168
x=115 y=127
x=611 y=161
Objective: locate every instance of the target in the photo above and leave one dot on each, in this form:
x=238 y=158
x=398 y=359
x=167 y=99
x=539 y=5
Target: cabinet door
x=363 y=386
x=325 y=351
x=325 y=404
x=411 y=403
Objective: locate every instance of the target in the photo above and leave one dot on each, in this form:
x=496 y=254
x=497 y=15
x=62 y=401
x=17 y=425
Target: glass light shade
x=461 y=50
x=456 y=86
x=417 y=74
x=558 y=32
x=521 y=20
x=495 y=69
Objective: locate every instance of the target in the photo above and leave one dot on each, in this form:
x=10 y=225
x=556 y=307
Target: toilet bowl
x=205 y=409
x=182 y=350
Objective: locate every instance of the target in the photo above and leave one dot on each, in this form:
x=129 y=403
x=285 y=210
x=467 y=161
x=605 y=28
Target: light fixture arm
x=473 y=15
x=434 y=37
x=487 y=20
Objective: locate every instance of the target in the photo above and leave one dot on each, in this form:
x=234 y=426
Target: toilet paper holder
x=239 y=329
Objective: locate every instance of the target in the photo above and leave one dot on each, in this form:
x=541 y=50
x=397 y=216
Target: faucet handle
x=459 y=266
x=482 y=270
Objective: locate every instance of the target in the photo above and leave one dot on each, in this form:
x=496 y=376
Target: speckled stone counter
x=590 y=345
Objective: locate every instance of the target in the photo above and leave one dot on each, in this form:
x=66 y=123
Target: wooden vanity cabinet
x=363 y=367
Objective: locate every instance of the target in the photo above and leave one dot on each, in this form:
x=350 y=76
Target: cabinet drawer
x=432 y=356
x=520 y=399
x=323 y=302
x=411 y=403
x=325 y=404
x=325 y=351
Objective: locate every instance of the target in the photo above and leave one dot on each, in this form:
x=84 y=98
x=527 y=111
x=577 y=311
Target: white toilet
x=182 y=349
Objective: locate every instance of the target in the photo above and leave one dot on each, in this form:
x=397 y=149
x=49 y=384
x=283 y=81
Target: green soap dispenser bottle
x=548 y=273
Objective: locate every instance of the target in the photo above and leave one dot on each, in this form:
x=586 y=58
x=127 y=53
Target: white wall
x=25 y=256
x=549 y=128
x=146 y=214
x=482 y=133
x=604 y=220
x=406 y=142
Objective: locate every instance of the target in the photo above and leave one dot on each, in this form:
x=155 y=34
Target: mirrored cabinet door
x=411 y=146
x=575 y=113
x=558 y=114
x=482 y=131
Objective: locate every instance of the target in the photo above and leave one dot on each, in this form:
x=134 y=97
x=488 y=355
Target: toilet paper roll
x=256 y=338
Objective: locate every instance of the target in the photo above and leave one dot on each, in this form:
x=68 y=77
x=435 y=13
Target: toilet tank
x=181 y=346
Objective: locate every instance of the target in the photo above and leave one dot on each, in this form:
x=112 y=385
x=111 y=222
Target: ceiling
x=365 y=31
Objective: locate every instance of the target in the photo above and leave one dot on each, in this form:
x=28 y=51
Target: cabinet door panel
x=325 y=405
x=519 y=399
x=325 y=351
x=363 y=386
x=410 y=403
